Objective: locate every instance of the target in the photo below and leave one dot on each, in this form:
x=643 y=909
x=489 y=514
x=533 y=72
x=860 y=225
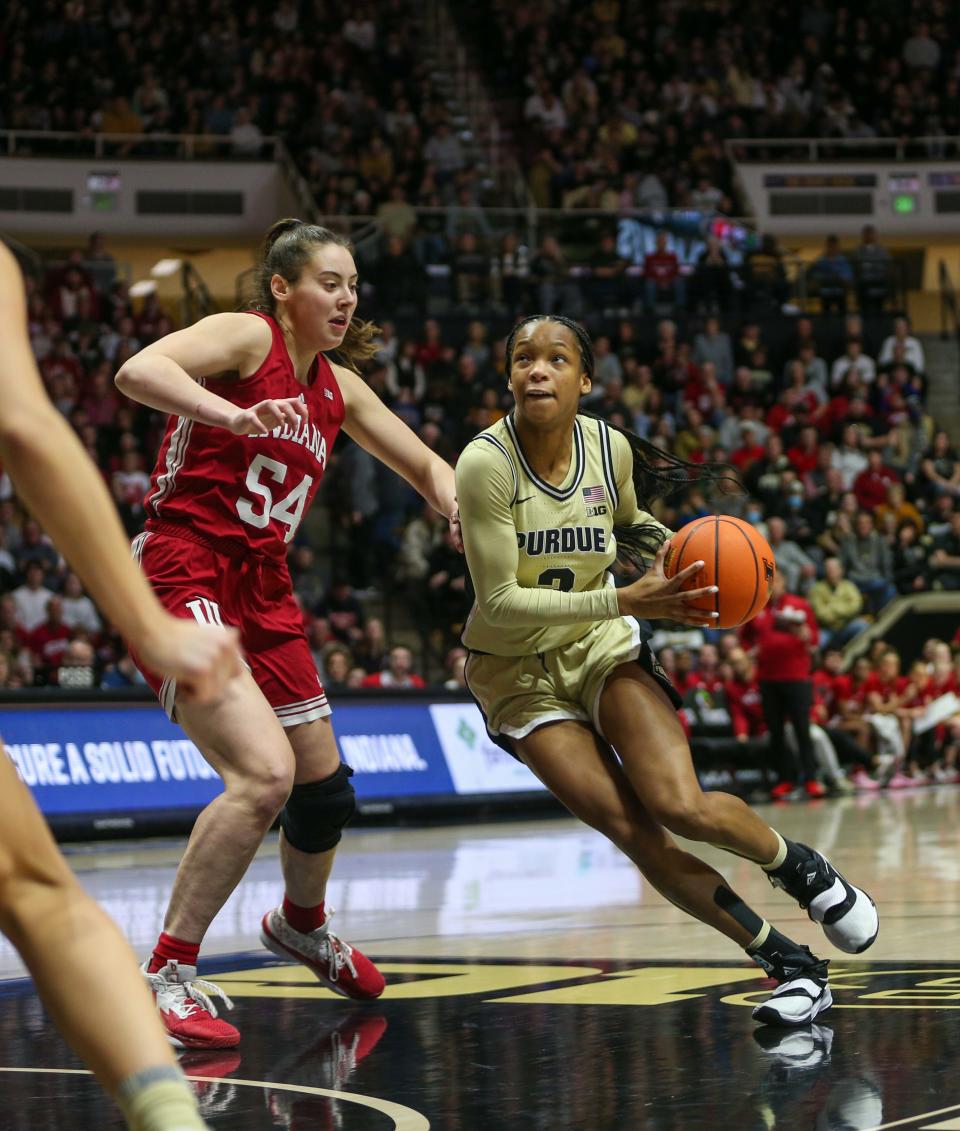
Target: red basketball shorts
x=194 y=580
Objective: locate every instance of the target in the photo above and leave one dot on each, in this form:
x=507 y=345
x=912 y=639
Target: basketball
x=737 y=559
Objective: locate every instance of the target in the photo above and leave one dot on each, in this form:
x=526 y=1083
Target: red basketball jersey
x=249 y=491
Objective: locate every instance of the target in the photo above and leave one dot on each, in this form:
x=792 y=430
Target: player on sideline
x=559 y=670
x=74 y=952
x=256 y=407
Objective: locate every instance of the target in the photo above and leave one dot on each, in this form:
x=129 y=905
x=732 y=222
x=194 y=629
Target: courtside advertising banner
x=131 y=759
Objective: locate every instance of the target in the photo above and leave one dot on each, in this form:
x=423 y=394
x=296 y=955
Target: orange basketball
x=736 y=558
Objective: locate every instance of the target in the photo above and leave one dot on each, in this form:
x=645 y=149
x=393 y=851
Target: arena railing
x=825 y=149
x=155 y=146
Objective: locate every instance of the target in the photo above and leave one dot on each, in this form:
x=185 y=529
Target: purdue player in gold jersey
x=560 y=671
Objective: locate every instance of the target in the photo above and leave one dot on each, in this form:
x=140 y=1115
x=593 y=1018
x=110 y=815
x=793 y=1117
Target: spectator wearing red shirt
x=661 y=272
x=49 y=640
x=805 y=455
x=743 y=698
x=781 y=639
x=830 y=686
x=707 y=672
x=750 y=450
x=871 y=485
x=399 y=674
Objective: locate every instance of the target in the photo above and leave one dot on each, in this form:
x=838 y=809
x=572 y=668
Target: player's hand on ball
x=265 y=415
x=202 y=658
x=658 y=597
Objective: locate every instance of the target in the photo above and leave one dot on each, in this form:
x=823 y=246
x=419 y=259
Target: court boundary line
x=916 y=1118
x=404 y=1118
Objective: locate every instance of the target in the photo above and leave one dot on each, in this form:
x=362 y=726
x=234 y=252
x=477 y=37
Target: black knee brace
x=316 y=812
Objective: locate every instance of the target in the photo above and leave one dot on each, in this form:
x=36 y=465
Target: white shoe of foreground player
x=803 y=992
x=847 y=914
x=340 y=966
x=187 y=1009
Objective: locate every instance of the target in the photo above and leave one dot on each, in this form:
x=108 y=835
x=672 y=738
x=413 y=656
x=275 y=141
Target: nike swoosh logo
x=525 y=499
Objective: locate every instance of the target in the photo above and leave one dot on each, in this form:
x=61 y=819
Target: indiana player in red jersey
x=256 y=407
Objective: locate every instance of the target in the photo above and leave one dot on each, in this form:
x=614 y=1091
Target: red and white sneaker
x=341 y=967
x=187 y=1009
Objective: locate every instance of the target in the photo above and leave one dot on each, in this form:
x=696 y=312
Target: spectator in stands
x=831 y=275
x=606 y=285
x=78 y=665
x=454 y=667
x=470 y=269
x=398 y=675
x=872 y=485
x=898 y=509
x=911 y=552
x=35 y=546
x=713 y=344
x=48 y=641
x=940 y=468
x=944 y=561
x=848 y=456
x=868 y=562
x=337 y=662
x=343 y=611
x=79 y=612
x=446 y=589
x=510 y=270
x=743 y=698
x=245 y=135
x=399 y=279
x=781 y=639
x=873 y=267
x=712 y=283
x=836 y=603
x=912 y=349
x=853 y=359
x=662 y=281
x=444 y=152
x=370 y=651
x=550 y=271
x=797 y=568
x=30 y=599
x=765 y=276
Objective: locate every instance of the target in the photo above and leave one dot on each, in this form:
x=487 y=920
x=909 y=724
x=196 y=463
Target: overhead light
x=164 y=267
x=143 y=287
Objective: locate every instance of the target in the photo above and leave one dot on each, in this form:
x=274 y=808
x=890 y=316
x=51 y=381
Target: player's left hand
x=455 y=532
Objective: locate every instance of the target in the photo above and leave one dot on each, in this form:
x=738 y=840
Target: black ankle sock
x=777 y=946
x=797 y=856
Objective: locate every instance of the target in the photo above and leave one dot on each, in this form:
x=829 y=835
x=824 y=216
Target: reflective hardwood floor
x=535 y=981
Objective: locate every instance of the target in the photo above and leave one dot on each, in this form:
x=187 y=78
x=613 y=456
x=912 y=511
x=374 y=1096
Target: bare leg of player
x=321 y=803
x=640 y=722
x=582 y=771
x=240 y=737
x=73 y=950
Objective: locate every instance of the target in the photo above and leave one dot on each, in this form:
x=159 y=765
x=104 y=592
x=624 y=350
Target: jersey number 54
x=288 y=510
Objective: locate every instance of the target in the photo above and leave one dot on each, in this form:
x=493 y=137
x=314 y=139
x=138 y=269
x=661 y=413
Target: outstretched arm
x=378 y=431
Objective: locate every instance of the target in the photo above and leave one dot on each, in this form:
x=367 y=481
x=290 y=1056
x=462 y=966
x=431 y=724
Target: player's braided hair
x=286 y=250
x=657 y=474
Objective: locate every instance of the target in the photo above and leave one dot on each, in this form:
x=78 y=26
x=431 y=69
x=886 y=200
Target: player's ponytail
x=657 y=474
x=286 y=249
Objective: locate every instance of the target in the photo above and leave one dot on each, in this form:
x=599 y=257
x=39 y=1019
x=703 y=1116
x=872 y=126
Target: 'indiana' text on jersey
x=565 y=540
x=307 y=434
x=249 y=492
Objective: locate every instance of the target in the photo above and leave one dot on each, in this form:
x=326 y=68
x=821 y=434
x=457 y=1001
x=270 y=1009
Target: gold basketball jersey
x=538 y=553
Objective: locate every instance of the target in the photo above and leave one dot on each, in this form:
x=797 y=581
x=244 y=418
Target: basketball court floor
x=536 y=982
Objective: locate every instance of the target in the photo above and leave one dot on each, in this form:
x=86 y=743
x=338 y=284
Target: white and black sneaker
x=803 y=992
x=847 y=914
